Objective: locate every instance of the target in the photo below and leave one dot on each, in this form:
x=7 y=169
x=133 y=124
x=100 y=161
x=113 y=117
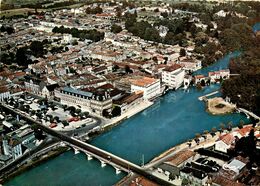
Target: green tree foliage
x=151 y=34
x=116 y=111
x=7 y=29
x=93 y=35
x=96 y=10
x=164 y=14
x=116 y=28
x=247 y=146
x=182 y=52
x=36 y=48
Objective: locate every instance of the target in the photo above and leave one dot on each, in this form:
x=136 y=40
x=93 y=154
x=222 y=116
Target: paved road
x=90 y=148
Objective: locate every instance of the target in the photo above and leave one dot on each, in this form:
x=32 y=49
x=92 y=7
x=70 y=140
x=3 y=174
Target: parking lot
x=57 y=117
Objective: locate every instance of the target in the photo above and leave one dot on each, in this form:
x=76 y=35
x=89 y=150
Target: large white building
x=150 y=87
x=173 y=76
x=95 y=102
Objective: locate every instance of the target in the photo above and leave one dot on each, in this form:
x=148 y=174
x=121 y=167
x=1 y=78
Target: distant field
x=21 y=2
x=20 y=11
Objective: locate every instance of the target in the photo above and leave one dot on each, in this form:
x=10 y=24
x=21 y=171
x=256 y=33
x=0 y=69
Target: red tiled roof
x=245 y=130
x=180 y=157
x=227 y=138
x=142 y=181
x=172 y=67
x=220 y=180
x=3 y=89
x=199 y=76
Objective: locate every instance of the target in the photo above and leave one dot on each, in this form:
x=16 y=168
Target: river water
x=173 y=119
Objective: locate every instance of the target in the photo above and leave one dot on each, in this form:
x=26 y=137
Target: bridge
x=91 y=151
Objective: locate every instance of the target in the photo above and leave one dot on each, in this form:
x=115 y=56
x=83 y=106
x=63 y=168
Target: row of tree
x=243 y=89
x=96 y=10
x=8 y=29
x=93 y=34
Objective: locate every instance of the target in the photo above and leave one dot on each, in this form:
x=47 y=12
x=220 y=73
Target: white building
x=4 y=93
x=217 y=75
x=95 y=102
x=150 y=87
x=173 y=76
x=190 y=64
x=12 y=148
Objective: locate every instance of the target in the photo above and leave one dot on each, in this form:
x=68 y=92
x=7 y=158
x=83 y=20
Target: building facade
x=92 y=101
x=150 y=87
x=173 y=76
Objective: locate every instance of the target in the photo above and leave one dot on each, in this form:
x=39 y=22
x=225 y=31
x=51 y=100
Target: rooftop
x=180 y=157
x=76 y=91
x=172 y=68
x=143 y=81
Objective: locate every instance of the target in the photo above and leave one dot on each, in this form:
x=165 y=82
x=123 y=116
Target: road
x=90 y=148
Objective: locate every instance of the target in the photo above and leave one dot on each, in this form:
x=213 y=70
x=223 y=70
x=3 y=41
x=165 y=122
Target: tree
x=164 y=14
x=197 y=135
x=214 y=130
x=222 y=126
x=78 y=111
x=105 y=113
x=229 y=126
x=185 y=182
x=116 y=111
x=115 y=68
x=57 y=119
x=128 y=69
x=65 y=123
x=201 y=38
x=36 y=48
x=241 y=124
x=230 y=39
x=96 y=10
x=21 y=57
x=86 y=114
x=156 y=10
x=151 y=34
x=170 y=38
x=116 y=28
x=182 y=52
x=172 y=176
x=203 y=83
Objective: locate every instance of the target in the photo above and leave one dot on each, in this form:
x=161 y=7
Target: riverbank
x=37 y=160
x=129 y=113
x=187 y=145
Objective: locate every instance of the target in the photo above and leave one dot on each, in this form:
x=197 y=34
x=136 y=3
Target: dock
x=204 y=98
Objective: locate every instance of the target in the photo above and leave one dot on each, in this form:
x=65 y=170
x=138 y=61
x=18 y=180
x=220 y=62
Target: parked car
x=53 y=125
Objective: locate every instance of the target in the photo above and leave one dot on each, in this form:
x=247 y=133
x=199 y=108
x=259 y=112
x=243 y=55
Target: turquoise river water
x=173 y=119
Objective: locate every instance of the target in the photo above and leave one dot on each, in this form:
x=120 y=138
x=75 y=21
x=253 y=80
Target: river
x=174 y=118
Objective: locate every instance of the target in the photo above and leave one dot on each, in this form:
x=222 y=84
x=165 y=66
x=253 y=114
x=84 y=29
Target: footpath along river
x=174 y=118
